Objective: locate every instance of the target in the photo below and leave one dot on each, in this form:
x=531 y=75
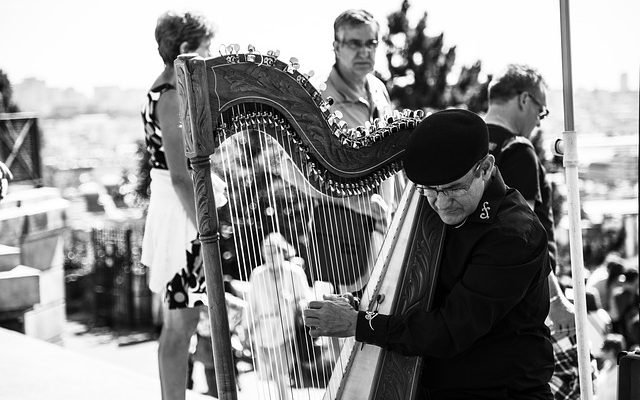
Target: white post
x=570 y=162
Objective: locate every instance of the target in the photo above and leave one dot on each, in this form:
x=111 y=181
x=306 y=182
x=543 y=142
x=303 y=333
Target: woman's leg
x=173 y=350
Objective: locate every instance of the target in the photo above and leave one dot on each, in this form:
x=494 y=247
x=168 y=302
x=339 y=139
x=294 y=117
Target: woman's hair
x=173 y=29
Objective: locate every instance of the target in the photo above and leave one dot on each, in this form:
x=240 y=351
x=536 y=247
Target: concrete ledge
x=34 y=370
x=19 y=288
x=9 y=257
x=46 y=321
x=16 y=223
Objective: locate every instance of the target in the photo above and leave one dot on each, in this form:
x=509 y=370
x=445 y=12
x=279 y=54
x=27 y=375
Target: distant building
x=624 y=82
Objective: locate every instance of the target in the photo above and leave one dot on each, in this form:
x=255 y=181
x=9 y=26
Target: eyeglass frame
x=432 y=192
x=545 y=111
x=356 y=44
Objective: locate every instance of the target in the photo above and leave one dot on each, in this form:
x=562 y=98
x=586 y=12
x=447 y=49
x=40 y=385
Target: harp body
x=242 y=92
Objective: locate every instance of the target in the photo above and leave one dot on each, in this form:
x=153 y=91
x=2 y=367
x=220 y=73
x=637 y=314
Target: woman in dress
x=169 y=247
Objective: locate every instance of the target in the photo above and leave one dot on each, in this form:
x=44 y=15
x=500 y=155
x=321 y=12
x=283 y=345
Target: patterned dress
x=187 y=287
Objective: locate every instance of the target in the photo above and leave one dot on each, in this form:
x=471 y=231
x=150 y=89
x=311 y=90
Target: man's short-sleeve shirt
x=357 y=109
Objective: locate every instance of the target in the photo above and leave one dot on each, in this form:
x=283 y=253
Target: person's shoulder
x=517 y=142
x=516 y=220
x=330 y=79
x=518 y=151
x=375 y=84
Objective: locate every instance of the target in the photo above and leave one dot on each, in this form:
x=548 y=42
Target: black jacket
x=487 y=327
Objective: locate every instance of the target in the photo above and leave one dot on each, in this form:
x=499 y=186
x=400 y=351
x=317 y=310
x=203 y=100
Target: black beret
x=445 y=146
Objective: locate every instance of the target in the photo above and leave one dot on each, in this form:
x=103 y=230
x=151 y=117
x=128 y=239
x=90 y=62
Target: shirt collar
x=491 y=200
x=347 y=92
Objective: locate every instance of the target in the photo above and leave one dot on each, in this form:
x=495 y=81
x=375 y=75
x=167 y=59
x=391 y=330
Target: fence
x=20 y=146
x=122 y=299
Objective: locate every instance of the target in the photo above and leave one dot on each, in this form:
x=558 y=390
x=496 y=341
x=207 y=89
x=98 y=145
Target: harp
x=232 y=101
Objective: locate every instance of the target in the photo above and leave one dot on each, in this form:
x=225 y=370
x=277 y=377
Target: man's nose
x=442 y=201
x=366 y=51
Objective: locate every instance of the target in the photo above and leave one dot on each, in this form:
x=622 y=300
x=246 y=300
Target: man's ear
x=488 y=164
x=522 y=100
x=184 y=47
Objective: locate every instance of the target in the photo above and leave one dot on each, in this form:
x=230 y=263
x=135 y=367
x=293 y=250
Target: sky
x=86 y=43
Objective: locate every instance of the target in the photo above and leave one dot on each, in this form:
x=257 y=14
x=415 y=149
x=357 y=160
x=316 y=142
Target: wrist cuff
x=371 y=327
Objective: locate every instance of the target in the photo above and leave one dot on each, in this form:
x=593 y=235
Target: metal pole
x=570 y=162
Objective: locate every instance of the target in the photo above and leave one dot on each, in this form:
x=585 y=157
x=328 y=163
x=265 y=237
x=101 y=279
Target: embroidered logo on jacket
x=485 y=210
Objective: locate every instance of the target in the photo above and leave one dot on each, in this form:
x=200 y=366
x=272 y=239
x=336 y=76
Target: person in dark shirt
x=485 y=338
x=517 y=104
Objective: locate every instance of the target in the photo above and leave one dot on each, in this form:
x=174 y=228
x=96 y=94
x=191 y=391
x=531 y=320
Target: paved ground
x=33 y=369
x=137 y=353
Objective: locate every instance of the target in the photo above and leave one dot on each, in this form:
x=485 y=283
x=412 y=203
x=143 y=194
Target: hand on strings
x=348 y=297
x=333 y=316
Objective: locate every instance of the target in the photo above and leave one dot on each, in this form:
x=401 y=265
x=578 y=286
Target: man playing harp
x=485 y=336
x=350 y=233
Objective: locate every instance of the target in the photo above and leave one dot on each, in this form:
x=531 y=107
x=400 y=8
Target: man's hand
x=561 y=314
x=332 y=317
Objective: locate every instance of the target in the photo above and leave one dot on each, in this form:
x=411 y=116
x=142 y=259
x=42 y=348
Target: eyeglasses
x=457 y=191
x=355 y=44
x=545 y=110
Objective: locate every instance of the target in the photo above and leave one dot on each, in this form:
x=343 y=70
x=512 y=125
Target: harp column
x=192 y=85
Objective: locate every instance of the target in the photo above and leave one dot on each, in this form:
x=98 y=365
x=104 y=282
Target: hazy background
x=83 y=44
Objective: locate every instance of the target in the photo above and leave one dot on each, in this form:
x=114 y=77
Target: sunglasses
x=544 y=110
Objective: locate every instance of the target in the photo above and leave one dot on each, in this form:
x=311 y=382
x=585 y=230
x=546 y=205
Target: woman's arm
x=174 y=152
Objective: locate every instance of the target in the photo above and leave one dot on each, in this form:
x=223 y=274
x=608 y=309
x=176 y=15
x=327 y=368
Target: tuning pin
x=230 y=49
x=376 y=123
x=342 y=125
x=310 y=74
x=222 y=49
x=329 y=98
x=338 y=114
x=235 y=48
x=367 y=126
x=418 y=114
x=322 y=87
x=251 y=48
x=294 y=63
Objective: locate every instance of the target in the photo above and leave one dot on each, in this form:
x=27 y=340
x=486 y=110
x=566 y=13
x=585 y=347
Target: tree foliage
x=420 y=66
x=6 y=92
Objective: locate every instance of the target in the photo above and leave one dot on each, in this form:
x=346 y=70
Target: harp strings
x=253 y=163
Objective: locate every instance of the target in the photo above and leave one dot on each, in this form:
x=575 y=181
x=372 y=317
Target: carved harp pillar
x=288 y=164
